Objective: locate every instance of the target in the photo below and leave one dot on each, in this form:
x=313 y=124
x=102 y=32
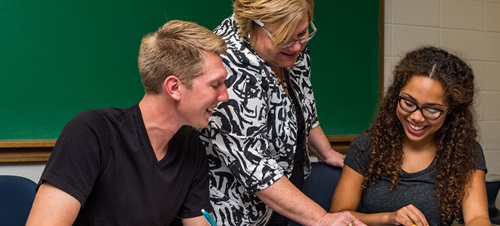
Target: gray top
x=413 y=188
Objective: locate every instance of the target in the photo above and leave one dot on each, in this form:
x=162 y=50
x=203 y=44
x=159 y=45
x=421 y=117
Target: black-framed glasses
x=429 y=113
x=301 y=40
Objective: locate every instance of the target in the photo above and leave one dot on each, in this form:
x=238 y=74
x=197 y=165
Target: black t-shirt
x=104 y=159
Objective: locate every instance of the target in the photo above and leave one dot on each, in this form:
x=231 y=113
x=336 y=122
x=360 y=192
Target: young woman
x=419 y=164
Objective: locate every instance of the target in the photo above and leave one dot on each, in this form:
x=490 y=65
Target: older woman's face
x=276 y=56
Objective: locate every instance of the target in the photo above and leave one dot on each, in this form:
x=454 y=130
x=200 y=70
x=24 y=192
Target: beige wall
x=470 y=28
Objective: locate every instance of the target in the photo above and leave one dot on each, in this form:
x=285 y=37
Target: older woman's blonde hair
x=288 y=12
x=177 y=48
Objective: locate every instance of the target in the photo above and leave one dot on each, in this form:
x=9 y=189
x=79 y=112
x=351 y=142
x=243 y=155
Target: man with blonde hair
x=142 y=165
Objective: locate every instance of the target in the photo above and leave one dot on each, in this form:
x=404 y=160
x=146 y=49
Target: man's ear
x=172 y=86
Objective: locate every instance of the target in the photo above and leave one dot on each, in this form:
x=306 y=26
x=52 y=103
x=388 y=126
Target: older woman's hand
x=340 y=219
x=320 y=147
x=334 y=159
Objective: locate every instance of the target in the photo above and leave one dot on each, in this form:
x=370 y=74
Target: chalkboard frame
x=39 y=150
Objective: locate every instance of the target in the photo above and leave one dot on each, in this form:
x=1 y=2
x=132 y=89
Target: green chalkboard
x=345 y=64
x=59 y=57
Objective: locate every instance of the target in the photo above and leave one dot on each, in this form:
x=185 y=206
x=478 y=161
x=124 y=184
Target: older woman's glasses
x=428 y=113
x=308 y=36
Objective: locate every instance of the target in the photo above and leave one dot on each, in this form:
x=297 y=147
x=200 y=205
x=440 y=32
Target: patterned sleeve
x=315 y=120
x=238 y=129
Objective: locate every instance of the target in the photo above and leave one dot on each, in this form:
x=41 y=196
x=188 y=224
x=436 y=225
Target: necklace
x=283 y=81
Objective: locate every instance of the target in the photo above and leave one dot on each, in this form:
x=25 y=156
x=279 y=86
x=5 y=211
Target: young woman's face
x=427 y=93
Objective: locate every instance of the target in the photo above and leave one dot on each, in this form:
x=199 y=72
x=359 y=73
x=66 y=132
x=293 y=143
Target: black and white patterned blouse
x=251 y=139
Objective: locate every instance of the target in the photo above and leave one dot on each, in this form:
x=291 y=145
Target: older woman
x=258 y=140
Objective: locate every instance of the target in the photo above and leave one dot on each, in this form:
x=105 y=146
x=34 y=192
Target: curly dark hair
x=455 y=140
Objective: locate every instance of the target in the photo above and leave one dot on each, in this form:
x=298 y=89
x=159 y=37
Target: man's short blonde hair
x=177 y=48
x=288 y=12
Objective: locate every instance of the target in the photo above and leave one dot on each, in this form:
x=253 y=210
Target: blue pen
x=208 y=217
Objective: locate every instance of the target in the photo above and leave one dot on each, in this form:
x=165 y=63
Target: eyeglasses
x=427 y=112
x=301 y=40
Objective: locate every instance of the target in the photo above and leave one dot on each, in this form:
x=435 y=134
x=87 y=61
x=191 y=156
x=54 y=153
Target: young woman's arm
x=475 y=203
x=347 y=197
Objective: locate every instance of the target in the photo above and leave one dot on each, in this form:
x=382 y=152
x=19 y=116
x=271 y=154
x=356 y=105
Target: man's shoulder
x=100 y=120
x=103 y=112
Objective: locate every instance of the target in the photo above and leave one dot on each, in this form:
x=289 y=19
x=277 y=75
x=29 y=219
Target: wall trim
x=26 y=151
x=341 y=143
x=39 y=150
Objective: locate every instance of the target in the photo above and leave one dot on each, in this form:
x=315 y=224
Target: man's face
x=206 y=91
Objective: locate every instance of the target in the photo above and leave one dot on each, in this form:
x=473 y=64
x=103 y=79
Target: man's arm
x=53 y=206
x=194 y=221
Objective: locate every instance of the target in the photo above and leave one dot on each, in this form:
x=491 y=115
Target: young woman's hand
x=408 y=216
